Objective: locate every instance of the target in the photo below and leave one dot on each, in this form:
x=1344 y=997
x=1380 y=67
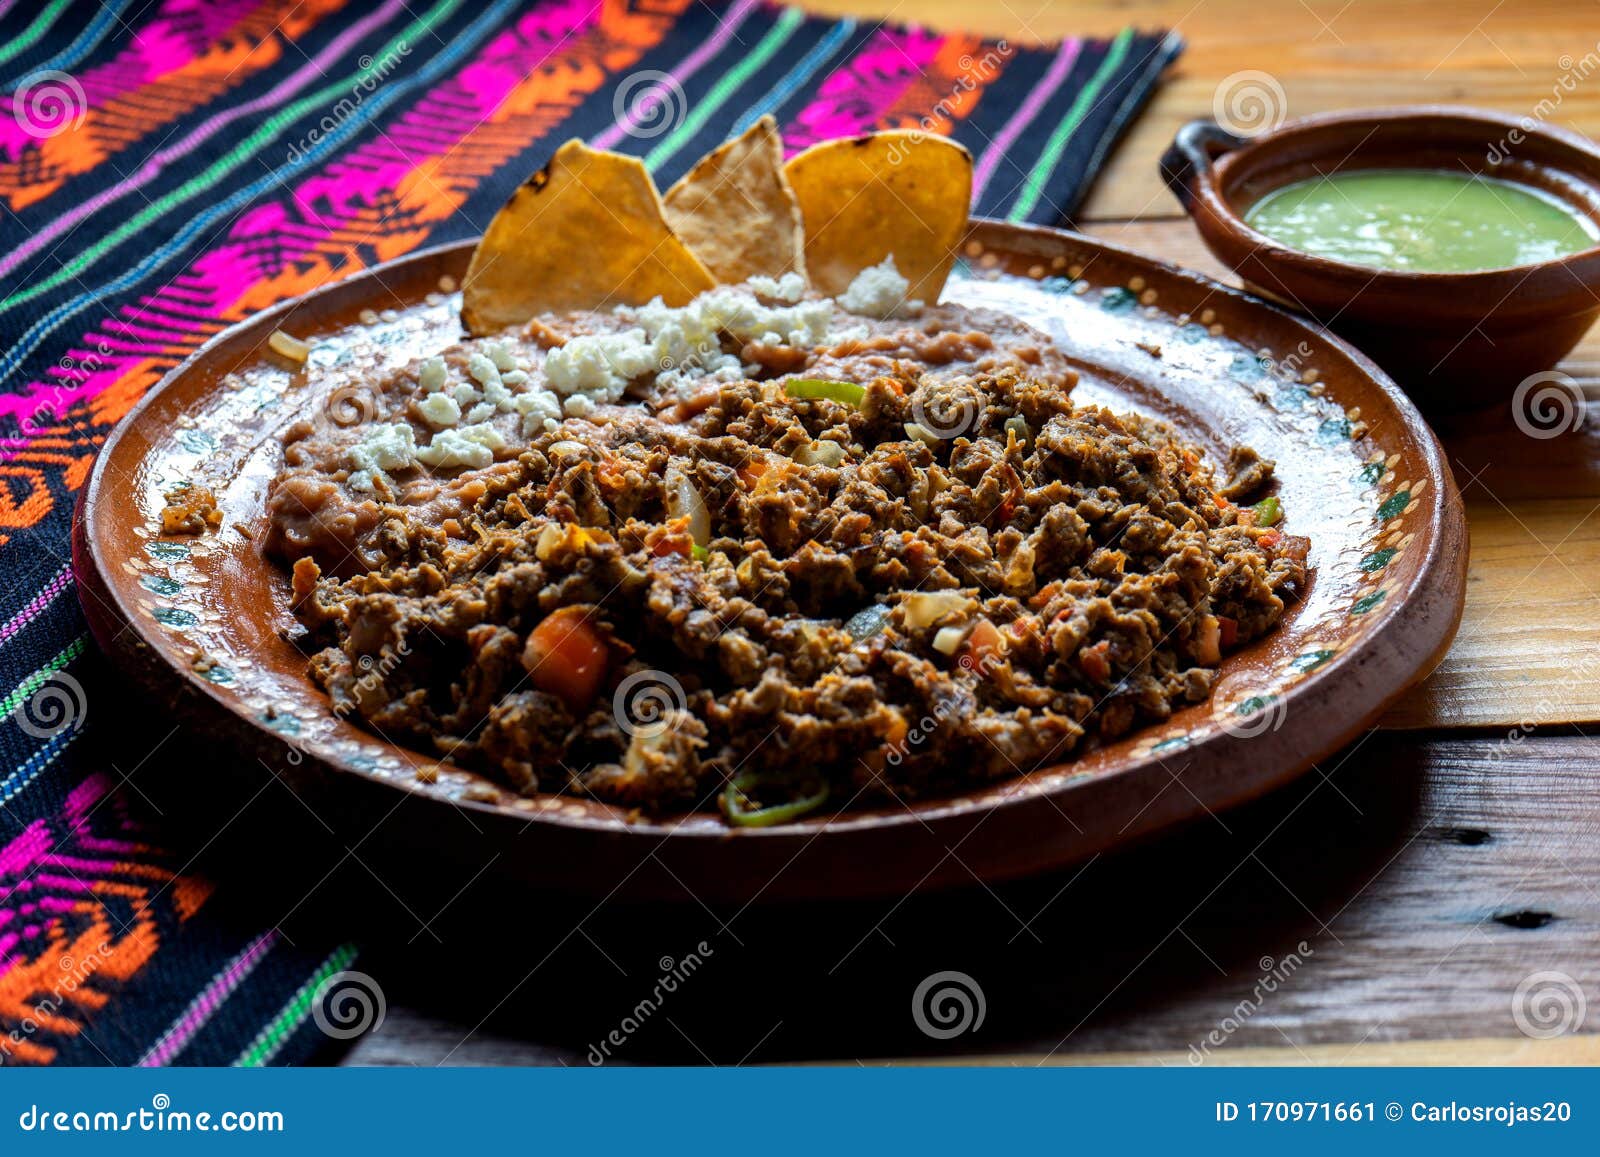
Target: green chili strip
x=700 y=553
x=744 y=812
x=1269 y=512
x=846 y=393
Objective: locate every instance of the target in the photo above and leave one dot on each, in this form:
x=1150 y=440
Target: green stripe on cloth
x=244 y=151
x=294 y=1014
x=32 y=683
x=1056 y=145
x=731 y=82
x=31 y=34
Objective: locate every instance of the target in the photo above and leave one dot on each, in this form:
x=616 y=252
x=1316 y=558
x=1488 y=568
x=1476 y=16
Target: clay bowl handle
x=1187 y=160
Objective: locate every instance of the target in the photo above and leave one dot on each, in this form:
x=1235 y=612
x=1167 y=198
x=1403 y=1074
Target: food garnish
x=736 y=210
x=526 y=263
x=901 y=193
x=741 y=799
x=845 y=393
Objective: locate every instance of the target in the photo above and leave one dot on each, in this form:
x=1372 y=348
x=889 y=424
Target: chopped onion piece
x=924 y=608
x=289 y=346
x=921 y=434
x=684 y=501
x=820 y=453
x=948 y=640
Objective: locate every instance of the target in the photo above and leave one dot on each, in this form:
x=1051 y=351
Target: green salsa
x=1421 y=220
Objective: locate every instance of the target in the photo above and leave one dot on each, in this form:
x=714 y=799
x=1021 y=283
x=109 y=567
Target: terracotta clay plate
x=195 y=619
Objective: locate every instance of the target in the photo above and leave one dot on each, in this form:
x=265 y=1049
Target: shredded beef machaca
x=950 y=577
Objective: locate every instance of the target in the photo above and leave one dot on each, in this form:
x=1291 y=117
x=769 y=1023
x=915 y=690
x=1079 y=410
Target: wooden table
x=1384 y=910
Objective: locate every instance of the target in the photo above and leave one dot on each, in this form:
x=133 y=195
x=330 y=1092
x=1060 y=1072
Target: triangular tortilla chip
x=584 y=232
x=736 y=211
x=901 y=193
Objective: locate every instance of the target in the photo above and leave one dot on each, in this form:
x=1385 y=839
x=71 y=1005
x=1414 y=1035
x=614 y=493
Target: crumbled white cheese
x=676 y=347
x=539 y=409
x=432 y=375
x=440 y=409
x=791 y=287
x=601 y=364
x=679 y=344
x=360 y=481
x=677 y=379
x=497 y=396
x=879 y=291
x=698 y=324
x=385 y=446
x=482 y=370
x=472 y=446
x=500 y=356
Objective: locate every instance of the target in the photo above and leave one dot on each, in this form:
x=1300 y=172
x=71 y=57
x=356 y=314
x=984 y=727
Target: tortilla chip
x=584 y=232
x=736 y=211
x=901 y=193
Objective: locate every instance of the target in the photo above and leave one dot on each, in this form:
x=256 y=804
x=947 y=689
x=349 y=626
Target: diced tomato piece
x=1015 y=494
x=1023 y=630
x=752 y=472
x=1094 y=662
x=671 y=537
x=696 y=403
x=1230 y=631
x=1296 y=547
x=566 y=656
x=1270 y=539
x=984 y=644
x=1222 y=503
x=1045 y=594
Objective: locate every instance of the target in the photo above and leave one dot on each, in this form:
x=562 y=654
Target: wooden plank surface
x=1402 y=892
x=1489 y=1052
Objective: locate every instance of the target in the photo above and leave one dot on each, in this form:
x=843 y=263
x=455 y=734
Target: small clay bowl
x=1454 y=341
